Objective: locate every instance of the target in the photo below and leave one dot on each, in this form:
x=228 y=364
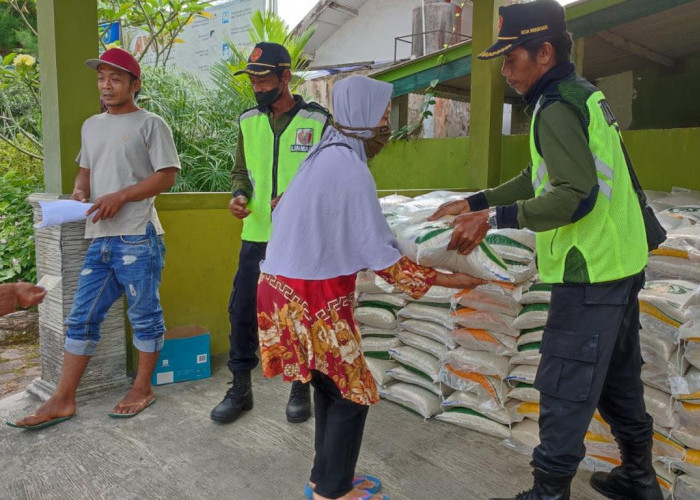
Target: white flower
x=23 y=60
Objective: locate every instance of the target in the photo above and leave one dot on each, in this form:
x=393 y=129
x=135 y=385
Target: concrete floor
x=173 y=450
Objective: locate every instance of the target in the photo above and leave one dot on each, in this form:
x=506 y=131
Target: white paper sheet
x=59 y=211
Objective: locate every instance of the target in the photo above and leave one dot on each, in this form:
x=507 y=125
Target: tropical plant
x=18 y=27
x=161 y=20
x=267 y=27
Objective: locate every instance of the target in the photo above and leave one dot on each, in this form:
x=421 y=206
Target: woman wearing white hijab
x=326 y=228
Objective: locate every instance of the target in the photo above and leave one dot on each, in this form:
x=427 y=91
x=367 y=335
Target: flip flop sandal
x=42 y=425
x=131 y=415
x=309 y=492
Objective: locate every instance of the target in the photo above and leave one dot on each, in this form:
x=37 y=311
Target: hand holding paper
x=59 y=211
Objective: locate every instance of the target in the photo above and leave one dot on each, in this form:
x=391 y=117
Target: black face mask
x=269 y=97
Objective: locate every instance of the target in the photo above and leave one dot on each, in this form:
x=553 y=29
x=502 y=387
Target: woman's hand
x=458 y=280
x=457 y=207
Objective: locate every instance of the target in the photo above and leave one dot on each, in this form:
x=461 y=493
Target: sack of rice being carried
x=425 y=243
x=422 y=343
x=532 y=316
x=438 y=295
x=519 y=410
x=414 y=398
x=409 y=376
x=482 y=362
x=537 y=293
x=492 y=297
x=379 y=369
x=660 y=406
x=475 y=421
x=516 y=245
x=440 y=315
x=424 y=363
x=484 y=386
x=482 y=340
x=428 y=329
x=528 y=354
x=377 y=316
x=485 y=320
x=486 y=407
x=687 y=488
x=369 y=282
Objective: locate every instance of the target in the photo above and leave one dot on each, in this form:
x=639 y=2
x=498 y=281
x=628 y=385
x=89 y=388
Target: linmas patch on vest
x=304 y=140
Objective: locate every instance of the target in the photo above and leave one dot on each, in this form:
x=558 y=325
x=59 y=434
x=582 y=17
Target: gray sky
x=293 y=11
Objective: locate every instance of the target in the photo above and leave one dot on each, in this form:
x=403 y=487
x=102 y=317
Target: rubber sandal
x=309 y=492
x=131 y=415
x=42 y=425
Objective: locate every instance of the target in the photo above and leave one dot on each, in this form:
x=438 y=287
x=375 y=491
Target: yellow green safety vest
x=608 y=243
x=272 y=161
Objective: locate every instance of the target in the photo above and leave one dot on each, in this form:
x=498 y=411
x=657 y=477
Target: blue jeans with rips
x=113 y=266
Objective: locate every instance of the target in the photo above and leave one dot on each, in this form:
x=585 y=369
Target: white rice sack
x=482 y=385
x=379 y=344
x=471 y=420
x=663 y=267
x=687 y=428
x=393 y=300
x=426 y=243
x=663 y=445
x=436 y=314
x=653 y=322
x=430 y=330
x=522 y=373
x=529 y=355
x=370 y=331
x=369 y=282
x=492 y=297
x=666 y=479
x=656 y=377
x=538 y=293
x=486 y=407
x=425 y=363
x=513 y=244
x=403 y=374
x=687 y=387
x=412 y=397
x=379 y=317
x=532 y=316
x=673 y=298
x=692 y=353
x=682 y=242
x=481 y=340
x=526 y=432
x=600 y=427
x=601 y=448
x=524 y=392
x=690 y=464
x=422 y=343
x=484 y=320
x=530 y=336
x=687 y=488
x=379 y=369
x=438 y=295
x=660 y=406
x=477 y=361
x=679 y=216
x=663 y=354
x=519 y=410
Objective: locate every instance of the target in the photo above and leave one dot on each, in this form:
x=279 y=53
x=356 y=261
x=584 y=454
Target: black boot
x=299 y=404
x=239 y=398
x=634 y=479
x=547 y=487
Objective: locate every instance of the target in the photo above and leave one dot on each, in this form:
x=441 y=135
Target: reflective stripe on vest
x=272 y=162
x=609 y=242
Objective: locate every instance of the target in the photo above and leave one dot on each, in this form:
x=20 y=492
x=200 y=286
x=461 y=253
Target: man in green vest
x=273 y=139
x=577 y=195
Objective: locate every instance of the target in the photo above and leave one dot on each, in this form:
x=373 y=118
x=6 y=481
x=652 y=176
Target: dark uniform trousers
x=590 y=358
x=242 y=308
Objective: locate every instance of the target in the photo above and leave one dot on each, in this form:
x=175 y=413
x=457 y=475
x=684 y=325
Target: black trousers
x=590 y=358
x=242 y=308
x=340 y=424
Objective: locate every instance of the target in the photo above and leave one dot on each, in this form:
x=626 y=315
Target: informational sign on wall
x=204 y=40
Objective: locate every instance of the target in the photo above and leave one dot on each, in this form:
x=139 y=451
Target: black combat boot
x=299 y=404
x=547 y=487
x=239 y=398
x=635 y=479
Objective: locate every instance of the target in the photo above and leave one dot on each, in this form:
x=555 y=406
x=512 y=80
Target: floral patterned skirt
x=306 y=325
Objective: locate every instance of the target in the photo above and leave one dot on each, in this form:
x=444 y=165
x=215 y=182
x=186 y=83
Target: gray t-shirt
x=122 y=150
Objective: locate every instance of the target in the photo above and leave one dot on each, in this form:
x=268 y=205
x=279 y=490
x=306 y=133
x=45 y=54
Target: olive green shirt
x=572 y=174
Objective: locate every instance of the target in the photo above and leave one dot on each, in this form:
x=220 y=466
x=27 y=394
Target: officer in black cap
x=577 y=195
x=273 y=139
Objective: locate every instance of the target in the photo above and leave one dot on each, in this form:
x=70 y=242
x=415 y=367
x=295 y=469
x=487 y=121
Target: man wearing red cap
x=578 y=195
x=127 y=157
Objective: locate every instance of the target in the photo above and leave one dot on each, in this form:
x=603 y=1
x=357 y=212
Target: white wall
x=378 y=22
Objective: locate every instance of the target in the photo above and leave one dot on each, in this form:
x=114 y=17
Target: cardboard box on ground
x=185 y=355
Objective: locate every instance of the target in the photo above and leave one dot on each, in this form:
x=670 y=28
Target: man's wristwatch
x=492 y=220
